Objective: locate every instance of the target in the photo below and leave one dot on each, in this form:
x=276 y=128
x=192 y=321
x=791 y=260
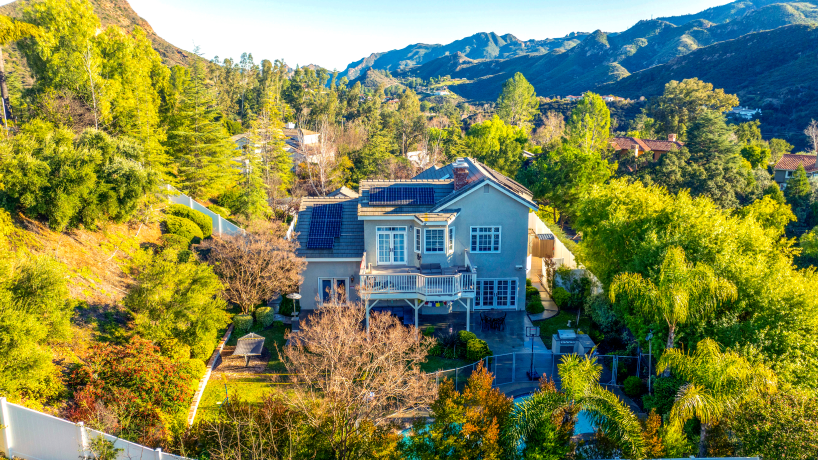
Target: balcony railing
x=418 y=283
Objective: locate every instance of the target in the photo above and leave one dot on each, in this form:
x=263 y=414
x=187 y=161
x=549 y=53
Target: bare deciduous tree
x=350 y=387
x=812 y=133
x=255 y=266
x=552 y=129
x=318 y=160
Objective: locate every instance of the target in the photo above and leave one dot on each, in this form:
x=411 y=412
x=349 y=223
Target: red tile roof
x=655 y=145
x=790 y=162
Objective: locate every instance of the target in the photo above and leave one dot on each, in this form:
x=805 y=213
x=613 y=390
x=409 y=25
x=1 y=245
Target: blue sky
x=334 y=33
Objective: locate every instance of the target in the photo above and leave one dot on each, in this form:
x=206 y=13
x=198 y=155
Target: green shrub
x=664 y=394
x=185 y=228
x=633 y=386
x=534 y=306
x=463 y=337
x=171 y=241
x=278 y=324
x=531 y=291
x=243 y=322
x=561 y=297
x=184 y=255
x=477 y=349
x=286 y=306
x=436 y=350
x=202 y=220
x=222 y=211
x=196 y=368
x=428 y=331
x=528 y=282
x=265 y=316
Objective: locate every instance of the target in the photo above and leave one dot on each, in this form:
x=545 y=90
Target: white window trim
x=450 y=234
x=418 y=243
x=499 y=237
x=426 y=249
x=478 y=303
x=788 y=174
x=390 y=230
x=334 y=284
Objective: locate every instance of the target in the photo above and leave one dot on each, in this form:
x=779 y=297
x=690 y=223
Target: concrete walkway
x=538 y=280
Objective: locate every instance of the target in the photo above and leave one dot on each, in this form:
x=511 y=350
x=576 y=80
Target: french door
x=391 y=245
x=496 y=293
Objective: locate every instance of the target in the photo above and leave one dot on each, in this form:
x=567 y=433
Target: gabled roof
x=441 y=189
x=653 y=145
x=351 y=241
x=790 y=162
x=344 y=192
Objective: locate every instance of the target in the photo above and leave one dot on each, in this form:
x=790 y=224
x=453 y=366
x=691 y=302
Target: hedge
x=183 y=227
x=171 y=241
x=202 y=220
x=633 y=386
x=465 y=336
x=477 y=349
x=534 y=306
x=265 y=316
x=243 y=322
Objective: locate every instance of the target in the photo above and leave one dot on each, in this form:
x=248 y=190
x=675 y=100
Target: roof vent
x=461 y=173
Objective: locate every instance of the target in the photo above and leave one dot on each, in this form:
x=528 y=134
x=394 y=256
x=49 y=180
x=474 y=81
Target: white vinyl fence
x=33 y=435
x=220 y=224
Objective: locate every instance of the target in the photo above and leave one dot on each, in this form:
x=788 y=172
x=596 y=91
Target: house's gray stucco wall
x=779 y=176
x=315 y=270
x=494 y=208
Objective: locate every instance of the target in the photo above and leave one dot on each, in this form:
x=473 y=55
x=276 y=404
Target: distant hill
x=372 y=78
x=112 y=12
x=478 y=46
x=773 y=70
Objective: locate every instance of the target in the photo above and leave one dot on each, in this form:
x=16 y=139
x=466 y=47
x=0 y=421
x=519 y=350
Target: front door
x=391 y=245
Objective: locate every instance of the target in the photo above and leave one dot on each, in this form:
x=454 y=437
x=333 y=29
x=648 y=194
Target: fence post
x=513 y=366
x=220 y=223
x=158 y=452
x=82 y=437
x=5 y=428
x=190 y=202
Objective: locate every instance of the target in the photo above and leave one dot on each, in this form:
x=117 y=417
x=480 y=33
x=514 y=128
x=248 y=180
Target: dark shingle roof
x=790 y=162
x=351 y=241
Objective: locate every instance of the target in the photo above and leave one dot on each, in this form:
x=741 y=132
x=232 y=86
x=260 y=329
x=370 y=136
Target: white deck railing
x=415 y=283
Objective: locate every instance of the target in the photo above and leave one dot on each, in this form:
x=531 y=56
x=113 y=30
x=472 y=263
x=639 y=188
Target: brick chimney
x=671 y=137
x=461 y=173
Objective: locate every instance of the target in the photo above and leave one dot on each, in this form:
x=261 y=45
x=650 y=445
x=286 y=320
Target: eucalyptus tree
x=682 y=291
x=719 y=383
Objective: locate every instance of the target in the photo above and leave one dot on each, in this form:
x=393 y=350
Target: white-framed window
x=496 y=293
x=450 y=241
x=485 y=239
x=434 y=240
x=417 y=239
x=330 y=288
x=788 y=174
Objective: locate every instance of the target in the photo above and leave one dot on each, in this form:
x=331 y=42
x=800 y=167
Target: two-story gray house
x=452 y=238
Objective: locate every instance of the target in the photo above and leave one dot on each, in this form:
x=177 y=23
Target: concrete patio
x=510 y=340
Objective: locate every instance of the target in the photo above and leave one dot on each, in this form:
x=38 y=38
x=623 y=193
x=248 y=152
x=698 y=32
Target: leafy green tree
x=757 y=155
x=683 y=102
x=720 y=383
x=409 y=122
x=11 y=31
x=798 y=189
x=589 y=127
x=748 y=132
x=198 y=141
x=35 y=315
x=628 y=227
x=518 y=102
x=498 y=145
x=682 y=292
x=177 y=304
x=779 y=147
x=772 y=214
x=709 y=138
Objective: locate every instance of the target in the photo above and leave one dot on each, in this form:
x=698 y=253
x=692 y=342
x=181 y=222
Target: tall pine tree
x=197 y=139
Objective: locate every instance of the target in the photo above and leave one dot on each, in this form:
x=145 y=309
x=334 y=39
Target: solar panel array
x=402 y=196
x=325 y=226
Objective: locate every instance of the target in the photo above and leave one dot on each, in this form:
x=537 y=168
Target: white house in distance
x=299 y=143
x=744 y=112
x=441 y=92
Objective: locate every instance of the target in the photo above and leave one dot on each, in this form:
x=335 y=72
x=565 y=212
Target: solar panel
x=325 y=226
x=402 y=195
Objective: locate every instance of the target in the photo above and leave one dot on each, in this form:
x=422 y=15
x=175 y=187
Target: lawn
x=550 y=326
x=273 y=335
x=249 y=389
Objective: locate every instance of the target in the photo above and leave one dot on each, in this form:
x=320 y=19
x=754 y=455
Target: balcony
x=447 y=283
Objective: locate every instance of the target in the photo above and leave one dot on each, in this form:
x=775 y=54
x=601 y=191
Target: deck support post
x=468 y=315
x=416 y=307
x=366 y=304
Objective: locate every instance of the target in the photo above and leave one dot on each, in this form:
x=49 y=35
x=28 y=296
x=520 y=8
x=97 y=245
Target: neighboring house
x=636 y=147
x=744 y=112
x=452 y=238
x=573 y=98
x=441 y=92
x=344 y=192
x=789 y=162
